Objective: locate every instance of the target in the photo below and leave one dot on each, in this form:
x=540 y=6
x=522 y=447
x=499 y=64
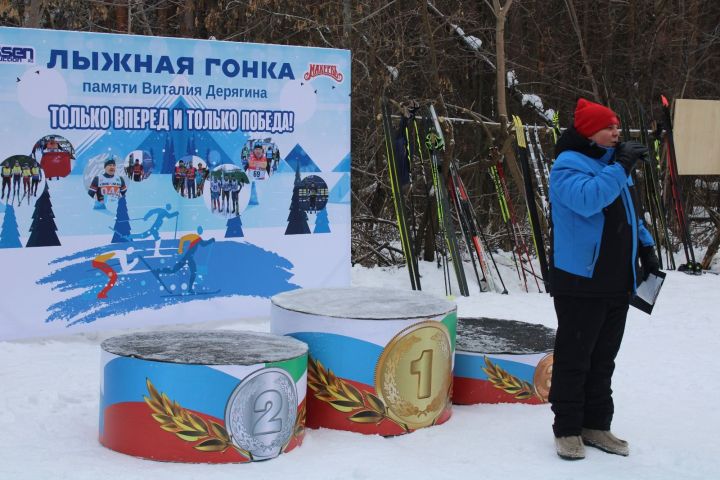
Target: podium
x=380 y=360
x=502 y=361
x=203 y=396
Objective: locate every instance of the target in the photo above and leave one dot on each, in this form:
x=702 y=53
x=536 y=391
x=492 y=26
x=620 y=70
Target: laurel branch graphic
x=211 y=436
x=506 y=382
x=299 y=429
x=344 y=397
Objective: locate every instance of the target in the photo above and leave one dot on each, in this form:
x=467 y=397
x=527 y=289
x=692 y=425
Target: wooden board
x=696 y=128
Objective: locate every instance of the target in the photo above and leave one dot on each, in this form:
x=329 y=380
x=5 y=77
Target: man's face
x=258 y=151
x=110 y=169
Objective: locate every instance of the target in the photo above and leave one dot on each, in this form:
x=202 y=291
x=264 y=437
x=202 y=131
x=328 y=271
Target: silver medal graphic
x=260 y=413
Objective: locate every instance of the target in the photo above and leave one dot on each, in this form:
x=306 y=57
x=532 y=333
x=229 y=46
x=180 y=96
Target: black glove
x=629 y=153
x=649 y=261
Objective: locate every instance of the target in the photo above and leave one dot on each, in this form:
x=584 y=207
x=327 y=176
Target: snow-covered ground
x=665 y=385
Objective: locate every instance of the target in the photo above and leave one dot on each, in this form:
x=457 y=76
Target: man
x=26 y=175
x=180 y=178
x=200 y=179
x=225 y=188
x=258 y=163
x=214 y=194
x=190 y=174
x=597 y=239
x=235 y=187
x=137 y=171
x=16 y=176
x=6 y=177
x=36 y=177
x=108 y=184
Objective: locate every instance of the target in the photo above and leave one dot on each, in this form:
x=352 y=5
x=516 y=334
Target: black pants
x=587 y=341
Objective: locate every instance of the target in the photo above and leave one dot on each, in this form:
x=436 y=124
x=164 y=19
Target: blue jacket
x=582 y=188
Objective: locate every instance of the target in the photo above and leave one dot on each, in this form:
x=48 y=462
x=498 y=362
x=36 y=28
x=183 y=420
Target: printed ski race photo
x=432 y=239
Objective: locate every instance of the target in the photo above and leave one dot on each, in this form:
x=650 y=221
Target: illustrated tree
x=43 y=229
x=234 y=227
x=168 y=165
x=9 y=234
x=122 y=223
x=253 y=195
x=297 y=219
x=322 y=223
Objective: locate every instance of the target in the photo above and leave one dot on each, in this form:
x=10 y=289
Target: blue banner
x=143 y=177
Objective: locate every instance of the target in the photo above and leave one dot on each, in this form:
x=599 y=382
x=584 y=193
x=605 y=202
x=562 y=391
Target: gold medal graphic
x=542 y=377
x=413 y=374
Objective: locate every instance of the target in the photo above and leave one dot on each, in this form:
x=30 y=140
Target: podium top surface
x=207 y=347
x=363 y=303
x=492 y=335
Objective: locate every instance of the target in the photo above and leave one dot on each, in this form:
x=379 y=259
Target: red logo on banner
x=316 y=70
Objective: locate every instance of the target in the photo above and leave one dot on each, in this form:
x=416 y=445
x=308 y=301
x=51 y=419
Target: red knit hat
x=592 y=117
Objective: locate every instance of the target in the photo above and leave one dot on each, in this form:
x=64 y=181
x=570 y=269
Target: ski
x=434 y=142
x=475 y=234
x=398 y=200
x=654 y=197
x=530 y=197
x=691 y=266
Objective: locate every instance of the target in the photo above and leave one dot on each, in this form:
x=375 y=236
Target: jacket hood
x=572 y=140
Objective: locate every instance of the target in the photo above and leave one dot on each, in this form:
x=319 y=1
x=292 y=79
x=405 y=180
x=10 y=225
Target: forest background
x=456 y=54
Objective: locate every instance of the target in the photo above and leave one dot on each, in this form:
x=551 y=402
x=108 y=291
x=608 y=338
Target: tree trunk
x=187 y=27
x=121 y=16
x=33 y=13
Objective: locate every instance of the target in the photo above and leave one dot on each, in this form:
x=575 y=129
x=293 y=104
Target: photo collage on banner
x=150 y=180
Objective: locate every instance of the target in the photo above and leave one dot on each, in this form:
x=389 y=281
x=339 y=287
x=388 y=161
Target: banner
x=148 y=180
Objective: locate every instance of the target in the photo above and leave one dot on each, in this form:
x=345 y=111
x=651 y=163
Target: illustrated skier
x=36 y=177
x=108 y=184
x=187 y=248
x=160 y=214
x=16 y=176
x=100 y=262
x=215 y=194
x=137 y=171
x=6 y=177
x=190 y=174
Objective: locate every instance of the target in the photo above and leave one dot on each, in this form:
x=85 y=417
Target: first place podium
x=380 y=361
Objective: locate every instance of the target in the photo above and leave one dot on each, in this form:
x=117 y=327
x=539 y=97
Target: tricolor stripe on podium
x=126 y=420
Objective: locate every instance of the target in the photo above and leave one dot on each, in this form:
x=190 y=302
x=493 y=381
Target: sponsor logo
x=15 y=54
x=316 y=70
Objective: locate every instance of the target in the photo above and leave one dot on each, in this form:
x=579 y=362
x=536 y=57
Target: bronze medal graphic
x=542 y=377
x=413 y=374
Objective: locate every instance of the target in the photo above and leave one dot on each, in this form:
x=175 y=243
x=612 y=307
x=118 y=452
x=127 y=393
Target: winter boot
x=570 y=448
x=605 y=441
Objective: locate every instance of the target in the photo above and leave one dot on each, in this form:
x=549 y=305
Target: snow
x=378 y=303
x=665 y=392
x=471 y=41
x=512 y=80
x=533 y=100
